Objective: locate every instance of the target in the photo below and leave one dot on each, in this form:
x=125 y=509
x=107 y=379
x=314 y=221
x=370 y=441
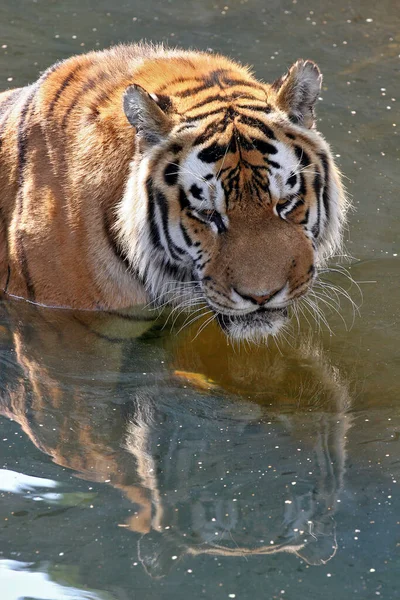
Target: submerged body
x=128 y=173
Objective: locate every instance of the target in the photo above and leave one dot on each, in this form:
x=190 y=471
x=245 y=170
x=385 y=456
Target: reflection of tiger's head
x=241 y=193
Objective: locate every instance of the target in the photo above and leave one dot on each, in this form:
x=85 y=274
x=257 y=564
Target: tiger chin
x=141 y=174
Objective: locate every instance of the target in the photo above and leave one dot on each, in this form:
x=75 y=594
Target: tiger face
x=242 y=196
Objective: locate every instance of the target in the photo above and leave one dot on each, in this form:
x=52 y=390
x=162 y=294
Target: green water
x=138 y=461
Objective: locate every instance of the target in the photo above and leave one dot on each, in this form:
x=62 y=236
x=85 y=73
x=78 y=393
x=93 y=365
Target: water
x=139 y=462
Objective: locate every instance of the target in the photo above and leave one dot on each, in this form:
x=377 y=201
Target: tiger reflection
x=249 y=462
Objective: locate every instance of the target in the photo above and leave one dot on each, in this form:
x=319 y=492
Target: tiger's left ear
x=298 y=91
x=148 y=113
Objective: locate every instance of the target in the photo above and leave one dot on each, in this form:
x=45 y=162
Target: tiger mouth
x=261 y=322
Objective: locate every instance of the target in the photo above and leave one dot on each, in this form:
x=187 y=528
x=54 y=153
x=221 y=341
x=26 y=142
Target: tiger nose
x=258 y=299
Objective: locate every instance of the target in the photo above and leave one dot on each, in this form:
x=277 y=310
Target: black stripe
x=300 y=202
x=263 y=146
x=176 y=81
x=196 y=191
x=162 y=203
x=302 y=156
x=175 y=148
x=171 y=173
x=221 y=98
x=195 y=218
x=317 y=189
x=209 y=132
x=264 y=109
x=258 y=124
x=250 y=84
x=154 y=234
x=221 y=110
x=272 y=163
x=66 y=82
x=113 y=242
x=204 y=115
x=303 y=189
x=187 y=239
x=325 y=194
x=305 y=220
x=211 y=80
x=213 y=153
x=193 y=91
x=89 y=85
x=183 y=199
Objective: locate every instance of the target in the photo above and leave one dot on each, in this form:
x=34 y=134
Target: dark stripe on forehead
x=209 y=132
x=265 y=108
x=221 y=98
x=214 y=79
x=263 y=147
x=193 y=91
x=258 y=124
x=204 y=115
x=250 y=84
x=213 y=153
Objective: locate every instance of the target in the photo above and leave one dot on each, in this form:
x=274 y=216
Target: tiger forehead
x=191 y=89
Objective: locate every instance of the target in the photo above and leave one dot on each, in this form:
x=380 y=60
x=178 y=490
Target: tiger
x=141 y=174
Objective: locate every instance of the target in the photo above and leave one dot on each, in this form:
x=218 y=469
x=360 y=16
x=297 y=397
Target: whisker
x=213 y=316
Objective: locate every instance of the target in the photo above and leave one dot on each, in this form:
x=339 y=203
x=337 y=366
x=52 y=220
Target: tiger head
x=231 y=189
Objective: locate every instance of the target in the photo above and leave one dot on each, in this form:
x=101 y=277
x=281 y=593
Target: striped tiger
x=141 y=174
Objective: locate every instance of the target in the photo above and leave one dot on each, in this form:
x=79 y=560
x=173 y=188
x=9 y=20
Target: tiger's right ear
x=148 y=113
